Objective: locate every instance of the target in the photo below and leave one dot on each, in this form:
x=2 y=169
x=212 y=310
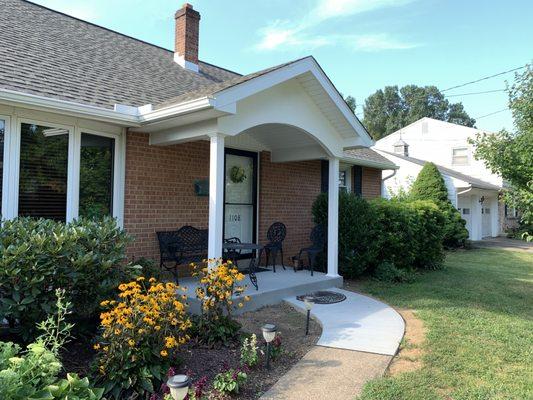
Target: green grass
x=478 y=312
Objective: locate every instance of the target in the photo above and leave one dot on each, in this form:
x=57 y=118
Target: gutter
x=390 y=176
x=36 y=102
x=367 y=163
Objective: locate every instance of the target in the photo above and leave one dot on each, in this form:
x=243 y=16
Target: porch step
x=273 y=288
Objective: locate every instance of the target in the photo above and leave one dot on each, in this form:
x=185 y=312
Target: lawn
x=478 y=312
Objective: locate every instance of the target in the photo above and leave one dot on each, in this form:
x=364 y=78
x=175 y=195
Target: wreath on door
x=237 y=174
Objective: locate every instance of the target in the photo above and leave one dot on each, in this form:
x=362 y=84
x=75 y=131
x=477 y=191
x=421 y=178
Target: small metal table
x=257 y=251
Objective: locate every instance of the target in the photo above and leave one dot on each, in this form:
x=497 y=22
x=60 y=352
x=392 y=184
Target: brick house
x=94 y=122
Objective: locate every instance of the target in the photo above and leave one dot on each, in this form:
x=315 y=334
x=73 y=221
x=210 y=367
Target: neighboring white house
x=472 y=188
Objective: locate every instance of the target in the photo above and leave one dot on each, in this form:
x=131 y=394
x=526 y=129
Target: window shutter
x=357 y=173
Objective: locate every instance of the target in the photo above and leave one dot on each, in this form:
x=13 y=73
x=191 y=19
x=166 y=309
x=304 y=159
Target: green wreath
x=237 y=174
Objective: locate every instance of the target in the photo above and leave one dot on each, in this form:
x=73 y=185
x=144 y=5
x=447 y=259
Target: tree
x=429 y=185
x=510 y=154
x=390 y=109
x=350 y=100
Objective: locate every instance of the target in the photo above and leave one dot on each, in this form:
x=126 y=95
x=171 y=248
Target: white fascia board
x=272 y=78
x=66 y=107
x=177 y=109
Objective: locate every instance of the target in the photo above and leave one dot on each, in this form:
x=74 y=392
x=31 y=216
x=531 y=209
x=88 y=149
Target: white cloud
x=285 y=34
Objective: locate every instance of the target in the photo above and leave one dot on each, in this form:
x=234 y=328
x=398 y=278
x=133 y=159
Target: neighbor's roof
x=368 y=157
x=474 y=182
x=47 y=53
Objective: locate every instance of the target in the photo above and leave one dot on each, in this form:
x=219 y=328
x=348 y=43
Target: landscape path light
x=179 y=386
x=269 y=334
x=309 y=303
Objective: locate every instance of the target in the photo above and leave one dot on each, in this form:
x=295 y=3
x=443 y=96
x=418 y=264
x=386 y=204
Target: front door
x=240 y=195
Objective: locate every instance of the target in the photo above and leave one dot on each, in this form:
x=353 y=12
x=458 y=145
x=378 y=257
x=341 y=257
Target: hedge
x=408 y=235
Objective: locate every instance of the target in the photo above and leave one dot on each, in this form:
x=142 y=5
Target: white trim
x=66 y=107
x=368 y=163
x=73 y=175
x=182 y=62
x=176 y=109
x=5 y=167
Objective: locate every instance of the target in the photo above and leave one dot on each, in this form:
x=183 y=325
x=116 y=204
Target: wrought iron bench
x=186 y=245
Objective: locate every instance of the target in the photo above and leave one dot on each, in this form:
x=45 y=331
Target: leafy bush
x=217 y=291
x=141 y=335
x=429 y=185
x=387 y=272
x=32 y=374
x=407 y=234
x=230 y=381
x=37 y=256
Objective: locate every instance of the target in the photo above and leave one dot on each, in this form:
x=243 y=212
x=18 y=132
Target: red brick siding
x=160 y=192
x=286 y=194
x=371 y=183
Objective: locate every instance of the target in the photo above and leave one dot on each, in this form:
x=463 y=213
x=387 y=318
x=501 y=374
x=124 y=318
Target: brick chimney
x=187 y=32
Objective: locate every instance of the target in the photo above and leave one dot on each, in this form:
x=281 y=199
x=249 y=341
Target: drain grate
x=323 y=297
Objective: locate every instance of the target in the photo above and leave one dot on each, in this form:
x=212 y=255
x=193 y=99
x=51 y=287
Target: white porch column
x=333 y=217
x=216 y=196
x=476 y=218
x=494 y=217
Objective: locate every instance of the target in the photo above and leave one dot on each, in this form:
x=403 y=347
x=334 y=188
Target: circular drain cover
x=323 y=297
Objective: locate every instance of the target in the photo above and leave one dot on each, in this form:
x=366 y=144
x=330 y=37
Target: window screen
x=43 y=172
x=2 y=132
x=96 y=175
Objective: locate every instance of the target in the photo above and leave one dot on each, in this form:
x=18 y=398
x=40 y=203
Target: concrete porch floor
x=273 y=287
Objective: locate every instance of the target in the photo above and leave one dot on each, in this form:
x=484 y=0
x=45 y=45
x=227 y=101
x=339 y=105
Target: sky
x=363 y=45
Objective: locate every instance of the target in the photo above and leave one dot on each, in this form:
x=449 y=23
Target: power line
x=484 y=78
x=471 y=93
x=492 y=113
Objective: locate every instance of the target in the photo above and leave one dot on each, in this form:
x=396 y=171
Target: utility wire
x=492 y=113
x=471 y=93
x=484 y=78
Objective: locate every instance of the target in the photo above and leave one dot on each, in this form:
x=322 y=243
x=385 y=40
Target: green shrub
x=387 y=272
x=429 y=185
x=37 y=256
x=406 y=234
x=230 y=381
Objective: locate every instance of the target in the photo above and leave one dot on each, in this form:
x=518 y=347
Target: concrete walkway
x=504 y=243
x=359 y=338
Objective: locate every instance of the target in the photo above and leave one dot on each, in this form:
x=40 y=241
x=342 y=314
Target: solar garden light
x=179 y=386
x=269 y=334
x=308 y=302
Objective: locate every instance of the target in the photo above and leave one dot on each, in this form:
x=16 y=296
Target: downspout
x=384 y=179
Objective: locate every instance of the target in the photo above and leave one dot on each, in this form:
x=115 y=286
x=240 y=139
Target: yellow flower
x=140 y=278
x=104 y=303
x=157 y=327
x=164 y=353
x=96 y=346
x=131 y=342
x=170 y=342
x=247 y=298
x=241 y=305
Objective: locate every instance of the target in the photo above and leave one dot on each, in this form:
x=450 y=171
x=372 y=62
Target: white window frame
x=11 y=173
x=467 y=156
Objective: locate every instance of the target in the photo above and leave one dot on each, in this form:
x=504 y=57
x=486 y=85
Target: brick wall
x=286 y=194
x=371 y=183
x=160 y=194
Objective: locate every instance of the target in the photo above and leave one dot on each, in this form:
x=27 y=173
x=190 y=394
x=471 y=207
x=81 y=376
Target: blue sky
x=363 y=45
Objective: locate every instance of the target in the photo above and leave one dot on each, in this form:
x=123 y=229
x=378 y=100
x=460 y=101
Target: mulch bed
x=78 y=354
x=291 y=325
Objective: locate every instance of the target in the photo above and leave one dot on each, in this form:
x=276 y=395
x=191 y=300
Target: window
x=357 y=173
x=2 y=133
x=466 y=211
x=97 y=156
x=460 y=156
x=487 y=210
x=342 y=180
x=43 y=171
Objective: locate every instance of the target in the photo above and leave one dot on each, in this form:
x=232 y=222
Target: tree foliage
x=429 y=185
x=390 y=109
x=510 y=154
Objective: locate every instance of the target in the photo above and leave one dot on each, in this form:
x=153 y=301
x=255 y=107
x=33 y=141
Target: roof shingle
x=47 y=53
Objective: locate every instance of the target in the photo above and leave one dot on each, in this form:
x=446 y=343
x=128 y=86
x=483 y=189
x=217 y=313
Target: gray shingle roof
x=47 y=53
x=365 y=154
x=474 y=182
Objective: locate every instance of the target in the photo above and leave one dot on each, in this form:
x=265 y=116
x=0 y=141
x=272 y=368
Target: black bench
x=186 y=245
